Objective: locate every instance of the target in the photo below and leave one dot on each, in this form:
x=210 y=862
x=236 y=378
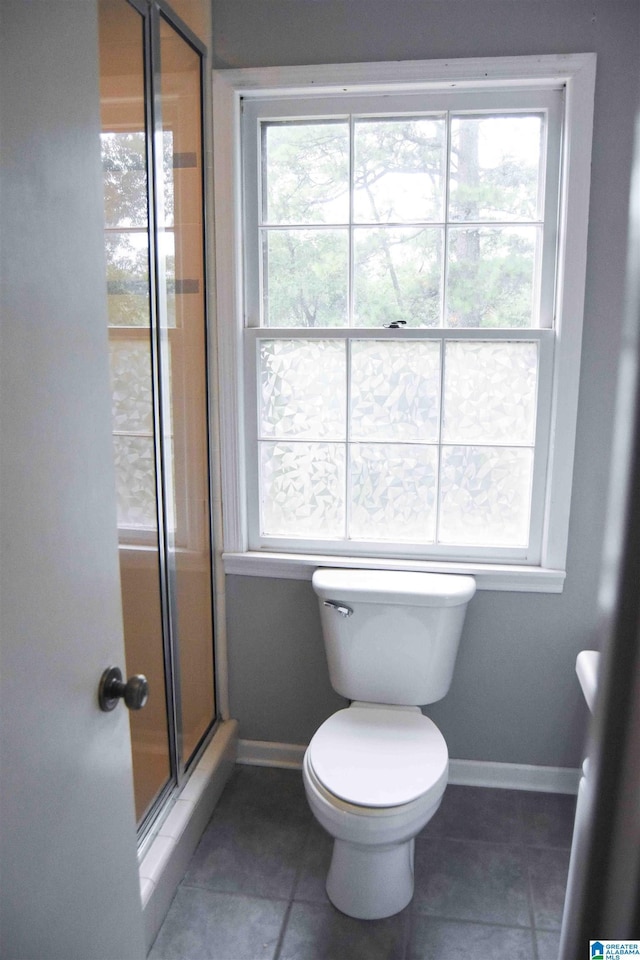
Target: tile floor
x=491 y=870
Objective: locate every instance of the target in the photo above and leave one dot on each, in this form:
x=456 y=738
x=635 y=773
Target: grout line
x=408 y=930
x=473 y=923
x=522 y=819
x=285 y=924
x=530 y=903
x=298 y=872
x=195 y=885
x=520 y=844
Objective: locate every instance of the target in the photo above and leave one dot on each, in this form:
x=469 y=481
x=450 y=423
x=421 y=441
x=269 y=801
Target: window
x=405 y=260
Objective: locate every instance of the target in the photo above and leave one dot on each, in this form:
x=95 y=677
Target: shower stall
x=152 y=146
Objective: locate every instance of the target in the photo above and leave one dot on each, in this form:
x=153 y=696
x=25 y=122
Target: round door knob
x=135 y=692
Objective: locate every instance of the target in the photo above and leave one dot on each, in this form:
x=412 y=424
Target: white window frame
x=577 y=73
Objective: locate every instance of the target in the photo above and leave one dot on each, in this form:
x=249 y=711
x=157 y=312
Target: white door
x=68 y=872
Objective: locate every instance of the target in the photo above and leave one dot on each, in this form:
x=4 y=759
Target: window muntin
x=464 y=251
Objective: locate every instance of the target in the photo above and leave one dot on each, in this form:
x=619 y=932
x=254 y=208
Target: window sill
x=290 y=566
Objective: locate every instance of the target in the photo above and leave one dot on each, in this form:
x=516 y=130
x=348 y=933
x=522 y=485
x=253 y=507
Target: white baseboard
x=265 y=753
x=468 y=773
x=514 y=776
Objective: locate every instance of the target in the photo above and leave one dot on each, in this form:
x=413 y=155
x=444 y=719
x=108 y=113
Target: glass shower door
x=151 y=142
x=182 y=276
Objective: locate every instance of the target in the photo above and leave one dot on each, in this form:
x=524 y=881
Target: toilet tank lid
x=393 y=586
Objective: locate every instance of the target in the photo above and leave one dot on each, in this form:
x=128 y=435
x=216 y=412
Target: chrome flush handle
x=340 y=608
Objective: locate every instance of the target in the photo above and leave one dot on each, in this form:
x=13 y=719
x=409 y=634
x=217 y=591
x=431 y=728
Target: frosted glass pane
x=135 y=481
x=305 y=278
x=495 y=167
x=490 y=392
x=490 y=280
x=131 y=397
x=399 y=169
x=485 y=496
x=393 y=492
x=305 y=172
x=395 y=390
x=127 y=256
x=303 y=389
x=397 y=276
x=302 y=489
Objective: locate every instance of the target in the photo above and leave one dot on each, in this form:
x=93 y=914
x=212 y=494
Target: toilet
x=375 y=772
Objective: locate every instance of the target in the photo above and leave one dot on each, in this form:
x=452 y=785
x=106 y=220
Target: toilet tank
x=391 y=636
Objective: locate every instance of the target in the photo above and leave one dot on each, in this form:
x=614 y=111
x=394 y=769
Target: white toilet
x=375 y=772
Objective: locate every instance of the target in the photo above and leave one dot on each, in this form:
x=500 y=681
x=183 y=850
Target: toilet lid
x=378 y=757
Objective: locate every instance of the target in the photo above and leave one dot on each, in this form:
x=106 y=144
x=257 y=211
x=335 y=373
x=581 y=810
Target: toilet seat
x=371 y=755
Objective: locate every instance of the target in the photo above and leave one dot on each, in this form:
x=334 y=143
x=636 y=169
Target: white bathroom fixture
x=587 y=666
x=375 y=772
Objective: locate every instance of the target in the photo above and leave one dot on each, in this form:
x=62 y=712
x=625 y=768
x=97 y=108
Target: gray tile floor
x=491 y=870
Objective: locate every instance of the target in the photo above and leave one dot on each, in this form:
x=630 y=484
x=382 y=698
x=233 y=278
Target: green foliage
x=397 y=217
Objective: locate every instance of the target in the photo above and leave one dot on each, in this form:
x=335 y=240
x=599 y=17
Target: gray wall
x=514 y=697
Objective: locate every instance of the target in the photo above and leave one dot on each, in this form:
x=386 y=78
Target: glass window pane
x=124 y=178
x=393 y=492
x=485 y=496
x=131 y=395
x=490 y=392
x=399 y=170
x=397 y=276
x=495 y=168
x=490 y=278
x=127 y=256
x=135 y=481
x=305 y=172
x=305 y=277
x=395 y=390
x=302 y=489
x=303 y=389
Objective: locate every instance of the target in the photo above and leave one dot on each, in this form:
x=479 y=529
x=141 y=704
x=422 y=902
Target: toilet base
x=371 y=882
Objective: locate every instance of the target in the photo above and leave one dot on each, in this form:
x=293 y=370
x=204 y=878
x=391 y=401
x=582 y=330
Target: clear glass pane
x=490 y=280
x=305 y=277
x=182 y=318
x=395 y=390
x=171 y=286
x=399 y=170
x=397 y=276
x=196 y=14
x=393 y=492
x=302 y=489
x=490 y=392
x=123 y=141
x=135 y=482
x=303 y=389
x=485 y=496
x=305 y=172
x=131 y=395
x=495 y=168
x=124 y=178
x=127 y=256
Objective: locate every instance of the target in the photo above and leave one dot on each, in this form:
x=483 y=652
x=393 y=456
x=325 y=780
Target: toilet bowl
x=374 y=820
x=375 y=772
